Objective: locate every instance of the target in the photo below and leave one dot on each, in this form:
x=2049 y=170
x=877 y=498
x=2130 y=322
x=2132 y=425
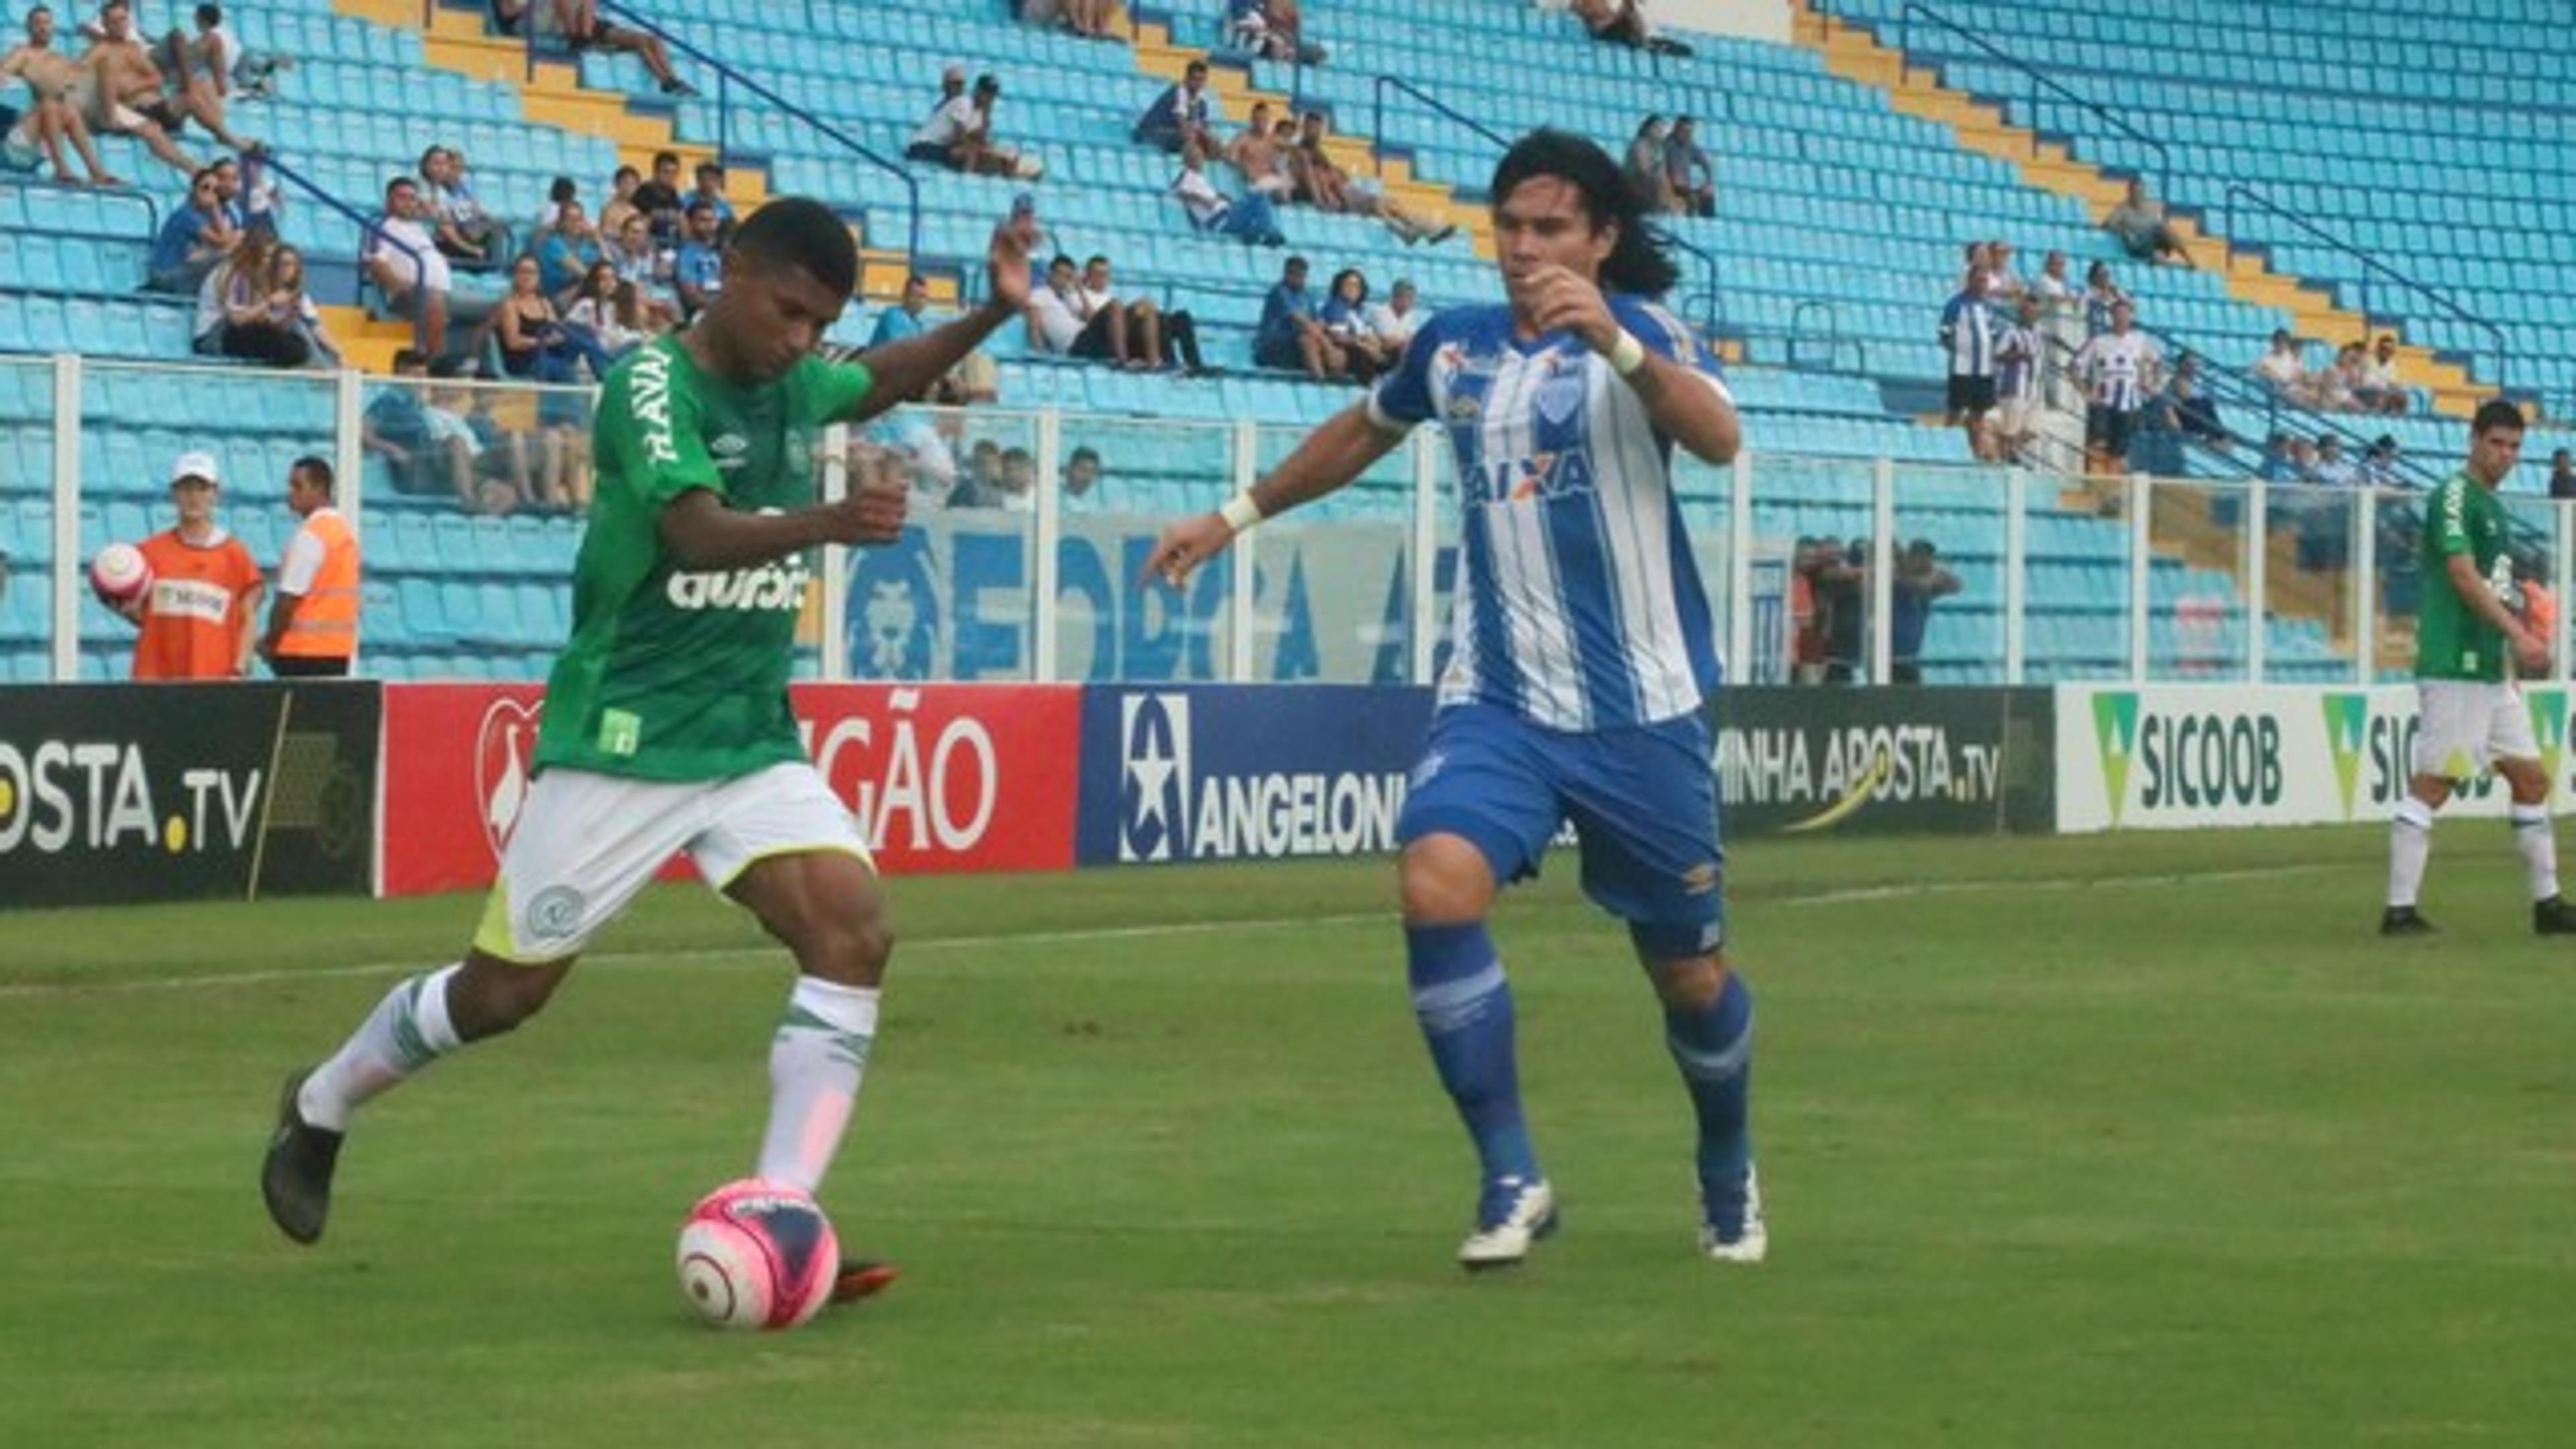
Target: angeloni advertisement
x=955 y=777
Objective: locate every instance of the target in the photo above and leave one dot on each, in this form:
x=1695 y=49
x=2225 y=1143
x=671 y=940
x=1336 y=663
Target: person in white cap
x=196 y=617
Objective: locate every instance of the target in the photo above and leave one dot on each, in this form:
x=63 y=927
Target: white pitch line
x=1850 y=895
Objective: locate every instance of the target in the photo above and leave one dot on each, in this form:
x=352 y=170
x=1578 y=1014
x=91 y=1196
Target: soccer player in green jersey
x=666 y=722
x=2469 y=641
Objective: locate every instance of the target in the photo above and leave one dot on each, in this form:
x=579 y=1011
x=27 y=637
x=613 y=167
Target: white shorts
x=587 y=842
x=2012 y=416
x=2463 y=726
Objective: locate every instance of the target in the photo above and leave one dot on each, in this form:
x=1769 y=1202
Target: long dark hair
x=1636 y=263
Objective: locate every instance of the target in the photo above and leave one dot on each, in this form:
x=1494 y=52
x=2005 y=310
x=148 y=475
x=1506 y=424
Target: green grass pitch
x=2136 y=1140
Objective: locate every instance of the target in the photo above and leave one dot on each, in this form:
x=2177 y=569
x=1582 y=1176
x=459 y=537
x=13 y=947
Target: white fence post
x=1050 y=527
x=2258 y=580
x=2016 y=574
x=67 y=480
x=1425 y=603
x=2141 y=568
x=836 y=559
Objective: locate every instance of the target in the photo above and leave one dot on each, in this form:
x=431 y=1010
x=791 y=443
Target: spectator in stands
x=313 y=627
x=2196 y=411
x=697 y=273
x=396 y=427
x=1250 y=220
x=193 y=239
x=584 y=30
x=1345 y=318
x=2139 y=225
x=568 y=254
x=535 y=345
x=125 y=91
x=2378 y=468
x=243 y=265
x=611 y=314
x=2102 y=294
x=1062 y=321
x=2018 y=359
x=225 y=63
x=1147 y=327
x=2332 y=468
x=979 y=483
x=630 y=252
x=1918 y=582
x=403 y=260
x=1081 y=473
x=959 y=135
x=1645 y=168
x=2120 y=371
x=1271 y=28
x=1185 y=111
x=1623 y=22
x=1259 y=155
x=1843 y=597
x=659 y=198
x=467 y=233
x=2061 y=326
x=1091 y=19
x=1688 y=171
x=2284 y=370
x=1322 y=180
x=711 y=190
x=2331 y=388
x=1396 y=319
x=197 y=74
x=196 y=617
x=2004 y=286
x=2377 y=388
x=904 y=320
x=269 y=318
x=612 y=215
x=1970 y=331
x=2562 y=475
x=1290 y=336
x=53 y=115
x=2280 y=464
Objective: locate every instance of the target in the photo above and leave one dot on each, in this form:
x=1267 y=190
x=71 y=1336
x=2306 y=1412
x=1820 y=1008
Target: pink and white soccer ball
x=120 y=573
x=756 y=1254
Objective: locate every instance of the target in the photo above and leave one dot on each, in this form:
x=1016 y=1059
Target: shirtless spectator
x=1090 y=19
x=53 y=115
x=1330 y=188
x=198 y=71
x=125 y=90
x=1623 y=22
x=1274 y=29
x=2379 y=390
x=582 y=29
x=1257 y=155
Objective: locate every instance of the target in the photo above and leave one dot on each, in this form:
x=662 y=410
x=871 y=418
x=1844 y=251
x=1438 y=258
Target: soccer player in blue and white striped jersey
x=1582 y=663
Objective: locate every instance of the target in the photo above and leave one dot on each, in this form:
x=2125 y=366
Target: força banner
x=2183 y=756
x=947 y=777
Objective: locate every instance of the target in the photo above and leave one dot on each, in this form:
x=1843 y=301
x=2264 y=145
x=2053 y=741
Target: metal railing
x=2038 y=83
x=368 y=229
x=2371 y=266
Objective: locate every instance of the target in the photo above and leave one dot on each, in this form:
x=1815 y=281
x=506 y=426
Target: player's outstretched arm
x=902 y=370
x=1331 y=457
x=702 y=533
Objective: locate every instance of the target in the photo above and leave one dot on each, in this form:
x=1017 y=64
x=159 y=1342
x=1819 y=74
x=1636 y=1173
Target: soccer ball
x=120 y=574
x=757 y=1254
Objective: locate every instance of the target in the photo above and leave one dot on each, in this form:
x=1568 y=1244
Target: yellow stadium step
x=1855 y=54
x=366 y=343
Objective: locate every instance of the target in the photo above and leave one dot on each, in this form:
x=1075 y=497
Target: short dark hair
x=428 y=156
x=1637 y=262
x=1081 y=453
x=1094 y=260
x=2496 y=412
x=1058 y=260
x=1197 y=66
x=397 y=184
x=665 y=158
x=706 y=166
x=701 y=205
x=210 y=15
x=800 y=232
x=563 y=188
x=314 y=469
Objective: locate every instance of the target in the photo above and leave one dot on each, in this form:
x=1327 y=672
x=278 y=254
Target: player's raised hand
x=1007 y=259
x=871 y=512
x=1560 y=298
x=1184 y=546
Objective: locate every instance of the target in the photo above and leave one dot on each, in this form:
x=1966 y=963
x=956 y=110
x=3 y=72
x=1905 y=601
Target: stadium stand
x=1842 y=207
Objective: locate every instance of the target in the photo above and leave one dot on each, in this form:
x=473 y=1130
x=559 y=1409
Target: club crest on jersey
x=1561 y=396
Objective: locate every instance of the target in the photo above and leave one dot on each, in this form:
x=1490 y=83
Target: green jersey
x=672 y=674
x=2452 y=641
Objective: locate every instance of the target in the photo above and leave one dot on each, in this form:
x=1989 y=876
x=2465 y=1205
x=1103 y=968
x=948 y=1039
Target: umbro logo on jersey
x=729 y=450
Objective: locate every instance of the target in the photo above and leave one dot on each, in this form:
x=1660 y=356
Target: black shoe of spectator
x=679 y=88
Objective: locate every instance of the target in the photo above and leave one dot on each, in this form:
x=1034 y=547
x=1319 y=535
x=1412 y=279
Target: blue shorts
x=1643 y=800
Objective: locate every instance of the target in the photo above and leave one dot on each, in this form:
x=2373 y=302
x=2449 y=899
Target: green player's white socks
x=407 y=1031
x=2410 y=845
x=2539 y=846
x=815 y=1062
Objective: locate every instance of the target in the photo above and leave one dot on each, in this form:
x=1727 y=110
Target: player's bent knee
x=1445 y=879
x=1693 y=984
x=490 y=996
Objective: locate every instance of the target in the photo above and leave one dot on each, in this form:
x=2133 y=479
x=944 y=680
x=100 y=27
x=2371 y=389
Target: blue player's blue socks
x=1465 y=1008
x=1713 y=1046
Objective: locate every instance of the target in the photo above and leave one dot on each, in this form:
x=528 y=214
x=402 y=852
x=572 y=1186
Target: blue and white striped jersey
x=1580 y=607
x=2120 y=369
x=1970 y=330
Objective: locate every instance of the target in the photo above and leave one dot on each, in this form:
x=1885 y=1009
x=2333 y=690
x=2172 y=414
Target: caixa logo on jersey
x=1227 y=773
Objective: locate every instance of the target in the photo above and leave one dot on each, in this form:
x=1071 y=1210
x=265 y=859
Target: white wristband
x=1627 y=354
x=1240 y=512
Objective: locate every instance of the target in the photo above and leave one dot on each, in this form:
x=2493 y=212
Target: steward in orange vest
x=313 y=627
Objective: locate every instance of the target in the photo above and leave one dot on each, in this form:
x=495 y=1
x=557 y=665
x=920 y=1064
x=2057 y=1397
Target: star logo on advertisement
x=2347 y=725
x=505 y=745
x=2115 y=735
x=1154 y=777
x=2548 y=727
